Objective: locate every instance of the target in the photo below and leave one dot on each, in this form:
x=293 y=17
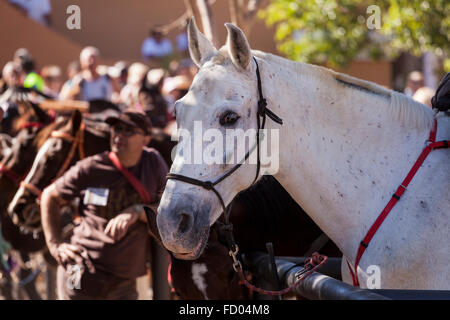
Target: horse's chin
x=198 y=250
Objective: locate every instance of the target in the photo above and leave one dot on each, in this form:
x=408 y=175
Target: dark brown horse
x=19 y=160
x=13 y=169
x=25 y=210
x=263 y=213
x=60 y=145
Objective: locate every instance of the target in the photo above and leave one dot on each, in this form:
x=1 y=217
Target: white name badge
x=96 y=196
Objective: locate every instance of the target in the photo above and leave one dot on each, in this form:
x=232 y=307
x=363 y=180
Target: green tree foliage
x=335 y=31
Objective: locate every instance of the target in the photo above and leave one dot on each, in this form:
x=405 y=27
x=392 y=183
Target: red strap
x=395 y=197
x=14 y=177
x=52 y=114
x=130 y=177
x=32 y=125
x=433 y=131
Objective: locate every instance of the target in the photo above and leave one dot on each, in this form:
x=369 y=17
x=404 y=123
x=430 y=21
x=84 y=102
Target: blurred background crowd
x=135 y=53
x=144 y=63
x=130 y=85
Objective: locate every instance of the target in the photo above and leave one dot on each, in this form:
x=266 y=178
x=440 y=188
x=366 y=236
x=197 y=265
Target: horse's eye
x=228 y=118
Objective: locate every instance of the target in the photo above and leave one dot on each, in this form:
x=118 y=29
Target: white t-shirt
x=154 y=49
x=36 y=9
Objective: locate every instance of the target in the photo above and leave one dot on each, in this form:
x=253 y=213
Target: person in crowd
x=424 y=95
x=182 y=44
x=89 y=84
x=31 y=78
x=116 y=74
x=52 y=76
x=154 y=106
x=11 y=77
x=108 y=248
x=151 y=100
x=72 y=70
x=155 y=78
x=37 y=10
x=130 y=92
x=187 y=68
x=121 y=67
x=414 y=82
x=175 y=88
x=156 y=47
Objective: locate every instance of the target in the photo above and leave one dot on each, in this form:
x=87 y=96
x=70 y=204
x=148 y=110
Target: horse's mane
x=267 y=201
x=401 y=107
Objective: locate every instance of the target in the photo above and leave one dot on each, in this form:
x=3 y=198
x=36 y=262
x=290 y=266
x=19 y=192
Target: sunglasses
x=125 y=131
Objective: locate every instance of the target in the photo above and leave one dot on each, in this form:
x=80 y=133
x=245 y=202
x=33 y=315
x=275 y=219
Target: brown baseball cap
x=132 y=118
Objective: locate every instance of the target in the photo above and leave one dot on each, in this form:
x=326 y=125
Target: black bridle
x=210 y=185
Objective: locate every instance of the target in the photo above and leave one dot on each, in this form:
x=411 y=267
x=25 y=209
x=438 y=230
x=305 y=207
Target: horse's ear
x=40 y=114
x=200 y=48
x=238 y=47
x=75 y=122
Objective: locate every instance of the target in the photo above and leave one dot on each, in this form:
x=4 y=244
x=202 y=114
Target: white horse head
x=223 y=96
x=345 y=146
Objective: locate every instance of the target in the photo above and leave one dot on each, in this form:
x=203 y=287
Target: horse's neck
x=343 y=154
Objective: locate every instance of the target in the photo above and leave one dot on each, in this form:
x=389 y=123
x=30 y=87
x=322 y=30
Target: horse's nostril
x=185 y=222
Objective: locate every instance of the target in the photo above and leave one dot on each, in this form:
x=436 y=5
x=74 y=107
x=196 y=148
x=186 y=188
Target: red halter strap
x=33 y=125
x=11 y=175
x=130 y=177
x=431 y=145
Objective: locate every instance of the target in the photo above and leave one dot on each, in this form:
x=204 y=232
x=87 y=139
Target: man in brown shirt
x=108 y=249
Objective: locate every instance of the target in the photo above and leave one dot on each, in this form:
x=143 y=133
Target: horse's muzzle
x=184 y=228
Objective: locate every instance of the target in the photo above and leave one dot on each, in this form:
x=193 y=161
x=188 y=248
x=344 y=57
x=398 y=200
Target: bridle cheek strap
x=77 y=142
